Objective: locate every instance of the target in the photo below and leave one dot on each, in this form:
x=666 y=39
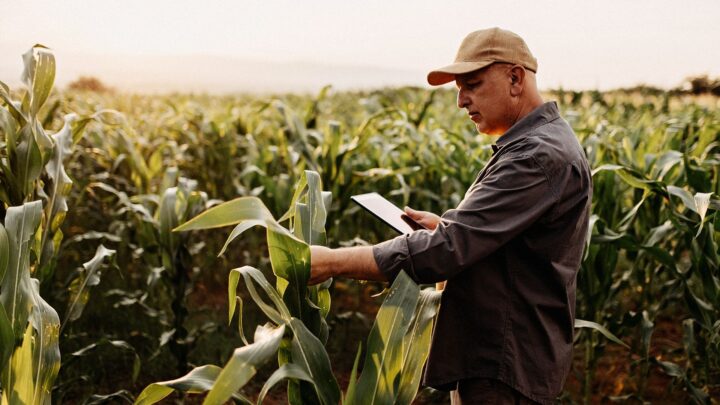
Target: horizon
x=282 y=46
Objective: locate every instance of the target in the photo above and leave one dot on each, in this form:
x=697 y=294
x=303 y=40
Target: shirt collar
x=540 y=115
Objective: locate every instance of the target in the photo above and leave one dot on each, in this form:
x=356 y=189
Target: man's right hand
x=424 y=218
x=429 y=221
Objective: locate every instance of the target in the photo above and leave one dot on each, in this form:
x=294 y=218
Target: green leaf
x=629 y=176
x=290 y=261
x=702 y=202
x=685 y=196
x=286 y=371
x=4 y=252
x=299 y=189
x=27 y=165
x=7 y=339
x=675 y=371
x=79 y=293
x=19 y=375
x=318 y=211
x=289 y=256
x=12 y=107
x=581 y=323
x=39 y=75
x=239 y=229
x=244 y=211
x=199 y=379
x=280 y=313
x=46 y=347
x=56 y=207
x=324 y=298
x=168 y=215
x=231 y=213
x=416 y=345
x=16 y=289
x=384 y=356
x=244 y=364
x=301 y=222
x=308 y=352
x=626 y=221
x=241 y=331
x=233 y=300
x=119 y=344
x=352 y=382
x=20 y=298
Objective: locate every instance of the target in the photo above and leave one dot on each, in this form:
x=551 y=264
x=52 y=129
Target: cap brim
x=447 y=74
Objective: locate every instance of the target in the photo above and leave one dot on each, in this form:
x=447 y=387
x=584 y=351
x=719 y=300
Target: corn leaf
x=90 y=276
x=4 y=252
x=237 y=211
x=46 y=348
x=244 y=364
x=280 y=313
x=352 y=382
x=7 y=339
x=286 y=371
x=290 y=261
x=56 y=207
x=11 y=106
x=416 y=345
x=229 y=213
x=308 y=352
x=16 y=289
x=316 y=200
x=684 y=196
x=119 y=344
x=17 y=379
x=27 y=165
x=199 y=379
x=38 y=75
x=299 y=189
x=581 y=323
x=384 y=357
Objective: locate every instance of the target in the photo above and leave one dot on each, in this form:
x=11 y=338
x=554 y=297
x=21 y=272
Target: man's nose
x=462 y=99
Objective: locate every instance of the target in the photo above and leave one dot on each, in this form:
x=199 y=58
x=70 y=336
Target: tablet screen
x=387 y=212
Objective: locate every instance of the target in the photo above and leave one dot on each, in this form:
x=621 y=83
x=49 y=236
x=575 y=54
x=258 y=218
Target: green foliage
x=406 y=315
x=33 y=193
x=397 y=347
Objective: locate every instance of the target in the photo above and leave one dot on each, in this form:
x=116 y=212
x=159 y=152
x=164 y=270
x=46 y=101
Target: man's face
x=485 y=94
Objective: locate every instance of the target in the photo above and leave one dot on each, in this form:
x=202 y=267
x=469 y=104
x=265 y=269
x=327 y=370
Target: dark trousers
x=481 y=391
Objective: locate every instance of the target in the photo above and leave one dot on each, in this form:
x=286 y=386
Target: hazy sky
x=299 y=45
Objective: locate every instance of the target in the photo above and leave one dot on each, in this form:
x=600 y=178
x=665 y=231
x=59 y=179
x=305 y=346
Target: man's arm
x=354 y=262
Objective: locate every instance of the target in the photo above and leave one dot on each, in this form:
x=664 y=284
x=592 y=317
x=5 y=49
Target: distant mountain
x=213 y=74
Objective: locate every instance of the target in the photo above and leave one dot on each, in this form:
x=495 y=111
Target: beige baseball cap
x=483 y=48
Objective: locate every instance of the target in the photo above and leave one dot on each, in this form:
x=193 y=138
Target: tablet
x=387 y=212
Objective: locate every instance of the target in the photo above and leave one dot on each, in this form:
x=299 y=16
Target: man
x=510 y=251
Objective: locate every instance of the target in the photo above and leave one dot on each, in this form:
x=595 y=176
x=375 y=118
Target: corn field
x=121 y=281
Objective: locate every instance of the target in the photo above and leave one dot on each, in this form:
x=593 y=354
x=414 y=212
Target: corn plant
x=397 y=347
x=33 y=189
x=166 y=255
x=655 y=224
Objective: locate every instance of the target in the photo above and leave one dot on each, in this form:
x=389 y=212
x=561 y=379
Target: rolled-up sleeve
x=513 y=194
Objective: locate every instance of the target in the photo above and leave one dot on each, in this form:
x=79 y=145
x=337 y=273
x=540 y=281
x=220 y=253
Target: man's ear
x=516 y=74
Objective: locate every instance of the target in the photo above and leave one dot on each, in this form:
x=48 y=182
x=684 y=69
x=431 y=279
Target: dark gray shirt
x=510 y=253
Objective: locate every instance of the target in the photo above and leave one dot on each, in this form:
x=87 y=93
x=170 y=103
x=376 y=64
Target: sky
x=284 y=45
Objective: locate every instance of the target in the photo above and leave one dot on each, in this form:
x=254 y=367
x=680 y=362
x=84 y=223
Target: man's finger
x=412 y=213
